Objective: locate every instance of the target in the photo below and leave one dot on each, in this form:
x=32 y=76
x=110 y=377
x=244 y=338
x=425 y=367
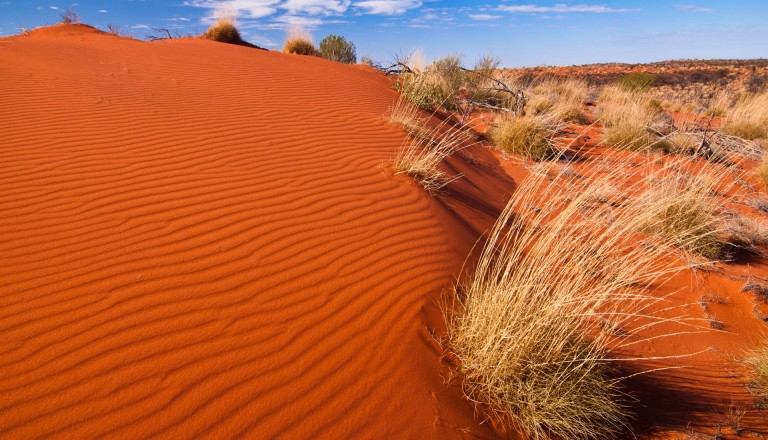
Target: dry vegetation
x=758 y=362
x=762 y=171
x=539 y=327
x=683 y=214
x=748 y=117
x=299 y=41
x=527 y=136
x=543 y=318
x=223 y=31
x=422 y=154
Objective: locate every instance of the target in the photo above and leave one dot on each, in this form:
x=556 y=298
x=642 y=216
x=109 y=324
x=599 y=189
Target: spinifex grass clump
x=681 y=209
x=758 y=364
x=762 y=171
x=527 y=136
x=627 y=116
x=748 y=118
x=561 y=282
x=561 y=98
x=299 y=41
x=421 y=155
x=224 y=31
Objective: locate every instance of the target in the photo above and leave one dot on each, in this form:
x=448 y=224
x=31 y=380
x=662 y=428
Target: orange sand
x=206 y=240
x=199 y=239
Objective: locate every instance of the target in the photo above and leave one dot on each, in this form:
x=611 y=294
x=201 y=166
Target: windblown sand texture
x=200 y=240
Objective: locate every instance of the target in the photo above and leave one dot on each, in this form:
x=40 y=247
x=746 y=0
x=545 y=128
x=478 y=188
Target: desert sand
x=201 y=240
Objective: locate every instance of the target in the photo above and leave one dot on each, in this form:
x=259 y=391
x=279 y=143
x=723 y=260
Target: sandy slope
x=199 y=239
x=205 y=240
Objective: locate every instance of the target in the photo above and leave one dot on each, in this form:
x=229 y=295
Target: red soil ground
x=206 y=240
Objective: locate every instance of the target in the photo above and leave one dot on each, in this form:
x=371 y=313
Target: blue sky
x=520 y=33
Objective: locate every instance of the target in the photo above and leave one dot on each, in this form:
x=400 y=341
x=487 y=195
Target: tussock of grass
x=758 y=363
x=682 y=209
x=421 y=155
x=746 y=129
x=223 y=31
x=748 y=119
x=685 y=221
x=629 y=135
x=627 y=116
x=300 y=42
x=527 y=136
x=549 y=305
x=745 y=232
x=561 y=98
x=762 y=171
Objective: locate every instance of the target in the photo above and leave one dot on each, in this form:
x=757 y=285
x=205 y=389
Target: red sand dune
x=206 y=240
x=200 y=239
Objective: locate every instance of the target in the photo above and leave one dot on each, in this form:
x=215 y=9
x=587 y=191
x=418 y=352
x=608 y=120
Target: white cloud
x=560 y=8
x=103 y=11
x=244 y=8
x=264 y=8
x=139 y=26
x=55 y=8
x=387 y=7
x=315 y=7
x=484 y=17
x=694 y=8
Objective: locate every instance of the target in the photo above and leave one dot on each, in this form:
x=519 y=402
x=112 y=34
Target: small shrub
x=449 y=79
x=69 y=16
x=626 y=116
x=745 y=232
x=337 y=48
x=437 y=85
x=419 y=89
x=528 y=136
x=637 y=81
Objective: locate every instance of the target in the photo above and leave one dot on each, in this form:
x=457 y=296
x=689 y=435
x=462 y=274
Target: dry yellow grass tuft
x=224 y=31
x=299 y=41
x=563 y=98
x=627 y=116
x=560 y=283
x=527 y=136
x=758 y=363
x=762 y=171
x=421 y=155
x=748 y=118
x=683 y=216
